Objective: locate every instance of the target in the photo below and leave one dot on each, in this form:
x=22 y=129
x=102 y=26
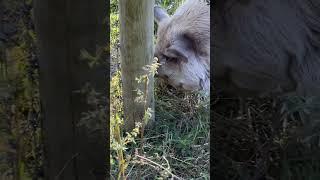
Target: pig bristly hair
x=186 y=35
x=267 y=46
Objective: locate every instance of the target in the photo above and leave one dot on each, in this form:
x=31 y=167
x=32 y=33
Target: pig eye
x=173 y=60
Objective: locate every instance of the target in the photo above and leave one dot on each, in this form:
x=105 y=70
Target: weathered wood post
x=63 y=29
x=136 y=48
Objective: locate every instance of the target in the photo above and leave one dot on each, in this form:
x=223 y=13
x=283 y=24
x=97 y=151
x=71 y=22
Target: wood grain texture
x=63 y=29
x=136 y=48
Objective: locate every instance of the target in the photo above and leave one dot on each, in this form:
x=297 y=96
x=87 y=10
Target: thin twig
x=65 y=166
x=160 y=166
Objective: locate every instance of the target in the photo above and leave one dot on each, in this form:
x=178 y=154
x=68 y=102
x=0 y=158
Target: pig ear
x=160 y=14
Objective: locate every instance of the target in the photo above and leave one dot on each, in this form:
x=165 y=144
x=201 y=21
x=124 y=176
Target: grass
x=269 y=139
x=177 y=143
x=179 y=137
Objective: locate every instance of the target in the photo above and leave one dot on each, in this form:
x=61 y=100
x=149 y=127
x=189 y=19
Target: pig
x=183 y=46
x=266 y=47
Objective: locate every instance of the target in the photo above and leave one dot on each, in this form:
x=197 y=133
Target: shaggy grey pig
x=267 y=47
x=183 y=46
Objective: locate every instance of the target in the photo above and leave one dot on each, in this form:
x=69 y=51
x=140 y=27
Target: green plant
x=118 y=141
x=20 y=107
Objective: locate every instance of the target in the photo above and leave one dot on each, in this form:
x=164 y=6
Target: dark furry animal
x=266 y=47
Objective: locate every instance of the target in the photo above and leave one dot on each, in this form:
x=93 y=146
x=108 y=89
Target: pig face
x=182 y=46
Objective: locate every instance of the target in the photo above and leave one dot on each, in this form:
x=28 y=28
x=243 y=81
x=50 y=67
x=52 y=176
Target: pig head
x=183 y=46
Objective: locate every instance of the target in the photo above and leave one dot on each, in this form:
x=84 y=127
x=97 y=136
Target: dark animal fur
x=266 y=46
